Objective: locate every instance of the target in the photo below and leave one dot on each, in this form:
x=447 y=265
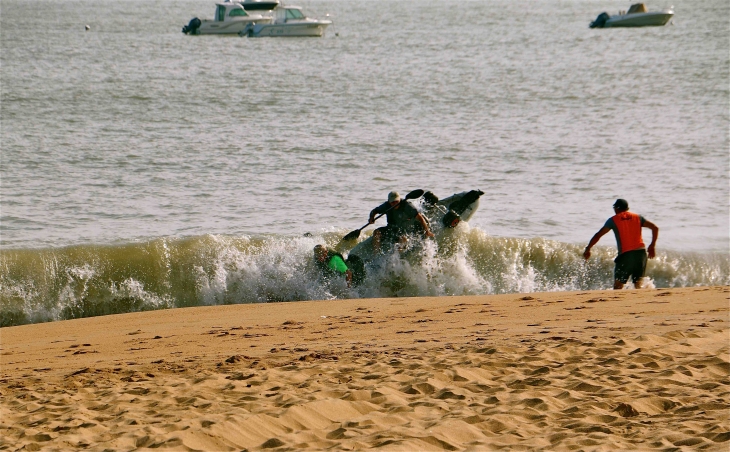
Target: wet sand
x=600 y=370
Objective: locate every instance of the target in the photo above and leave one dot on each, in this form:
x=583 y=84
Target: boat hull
x=290 y=30
x=234 y=27
x=651 y=19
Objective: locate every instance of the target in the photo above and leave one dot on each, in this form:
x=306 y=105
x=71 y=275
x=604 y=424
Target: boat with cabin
x=636 y=16
x=230 y=19
x=286 y=21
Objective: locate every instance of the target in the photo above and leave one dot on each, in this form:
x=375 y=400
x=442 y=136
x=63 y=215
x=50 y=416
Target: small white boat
x=636 y=16
x=230 y=19
x=286 y=21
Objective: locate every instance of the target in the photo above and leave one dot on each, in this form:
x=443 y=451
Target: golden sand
x=600 y=370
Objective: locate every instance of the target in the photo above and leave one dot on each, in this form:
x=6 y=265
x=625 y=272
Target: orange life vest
x=628 y=231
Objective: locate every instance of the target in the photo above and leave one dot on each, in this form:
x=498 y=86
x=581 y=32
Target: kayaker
x=331 y=263
x=403 y=219
x=631 y=259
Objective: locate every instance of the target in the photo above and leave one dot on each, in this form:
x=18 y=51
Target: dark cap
x=621 y=204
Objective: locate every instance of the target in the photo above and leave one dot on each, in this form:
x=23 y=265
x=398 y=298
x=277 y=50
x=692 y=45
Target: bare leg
x=618 y=285
x=639 y=283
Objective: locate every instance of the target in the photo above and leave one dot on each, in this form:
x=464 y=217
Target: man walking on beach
x=631 y=259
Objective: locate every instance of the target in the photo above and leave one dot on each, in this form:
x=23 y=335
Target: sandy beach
x=600 y=370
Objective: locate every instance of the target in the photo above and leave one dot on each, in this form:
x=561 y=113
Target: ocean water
x=145 y=169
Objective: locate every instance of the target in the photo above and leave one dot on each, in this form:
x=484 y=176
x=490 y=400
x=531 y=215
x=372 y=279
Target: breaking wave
x=92 y=280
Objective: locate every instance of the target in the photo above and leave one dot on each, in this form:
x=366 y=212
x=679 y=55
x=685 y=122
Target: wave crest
x=90 y=280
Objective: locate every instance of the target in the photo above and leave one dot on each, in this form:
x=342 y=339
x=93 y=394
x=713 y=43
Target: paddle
x=415 y=194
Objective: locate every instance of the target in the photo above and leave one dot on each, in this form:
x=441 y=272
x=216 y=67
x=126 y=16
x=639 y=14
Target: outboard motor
x=600 y=20
x=248 y=30
x=192 y=26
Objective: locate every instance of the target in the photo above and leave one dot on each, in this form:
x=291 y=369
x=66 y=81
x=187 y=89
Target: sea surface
x=145 y=169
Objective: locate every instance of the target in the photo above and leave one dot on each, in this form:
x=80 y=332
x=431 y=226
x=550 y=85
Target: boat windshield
x=637 y=8
x=294 y=14
x=237 y=13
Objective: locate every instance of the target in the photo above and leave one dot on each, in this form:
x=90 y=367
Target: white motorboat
x=442 y=215
x=636 y=16
x=286 y=21
x=230 y=19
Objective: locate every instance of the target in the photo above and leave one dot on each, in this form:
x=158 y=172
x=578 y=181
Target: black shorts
x=630 y=263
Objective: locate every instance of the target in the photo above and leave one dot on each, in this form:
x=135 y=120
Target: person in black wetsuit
x=403 y=219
